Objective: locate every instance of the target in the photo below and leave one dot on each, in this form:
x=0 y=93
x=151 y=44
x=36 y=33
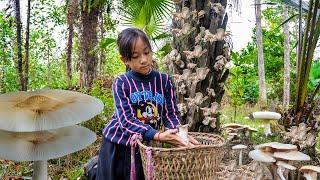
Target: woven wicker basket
x=186 y=163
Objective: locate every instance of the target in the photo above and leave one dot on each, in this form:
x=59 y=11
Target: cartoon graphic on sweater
x=148 y=113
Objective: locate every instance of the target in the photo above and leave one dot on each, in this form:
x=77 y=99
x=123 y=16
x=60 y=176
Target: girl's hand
x=193 y=141
x=170 y=137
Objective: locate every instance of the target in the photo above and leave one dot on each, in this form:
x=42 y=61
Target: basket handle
x=133 y=144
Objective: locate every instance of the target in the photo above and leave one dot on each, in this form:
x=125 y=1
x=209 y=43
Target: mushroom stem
x=40 y=170
x=310 y=176
x=240 y=158
x=267 y=129
x=280 y=171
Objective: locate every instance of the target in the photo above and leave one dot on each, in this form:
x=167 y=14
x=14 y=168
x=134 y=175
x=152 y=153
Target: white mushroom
x=282 y=166
x=276 y=145
x=239 y=147
x=258 y=155
x=266 y=116
x=202 y=73
x=43 y=145
x=182 y=108
x=185 y=14
x=310 y=172
x=191 y=65
x=46 y=109
x=196 y=53
x=292 y=156
x=183 y=132
x=186 y=73
x=211 y=92
x=185 y=30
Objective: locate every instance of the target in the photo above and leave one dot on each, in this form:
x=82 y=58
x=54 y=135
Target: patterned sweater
x=142 y=104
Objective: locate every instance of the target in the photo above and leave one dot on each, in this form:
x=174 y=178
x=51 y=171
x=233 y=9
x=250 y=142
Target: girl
x=144 y=99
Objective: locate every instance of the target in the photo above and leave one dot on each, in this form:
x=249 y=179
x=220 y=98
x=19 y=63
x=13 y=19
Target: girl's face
x=141 y=61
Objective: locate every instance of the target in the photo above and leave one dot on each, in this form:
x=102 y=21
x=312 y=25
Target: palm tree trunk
x=26 y=47
x=286 y=87
x=19 y=42
x=202 y=94
x=72 y=14
x=262 y=83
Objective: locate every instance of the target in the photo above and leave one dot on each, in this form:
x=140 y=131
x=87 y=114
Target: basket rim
x=141 y=145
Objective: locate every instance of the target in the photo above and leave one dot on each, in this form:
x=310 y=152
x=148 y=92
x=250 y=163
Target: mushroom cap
x=286 y=165
x=44 y=145
x=45 y=109
x=258 y=155
x=234 y=126
x=309 y=168
x=239 y=146
x=252 y=129
x=292 y=156
x=266 y=115
x=277 y=145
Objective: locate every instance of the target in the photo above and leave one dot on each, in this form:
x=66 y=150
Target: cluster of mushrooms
x=236 y=131
x=40 y=125
x=189 y=62
x=281 y=157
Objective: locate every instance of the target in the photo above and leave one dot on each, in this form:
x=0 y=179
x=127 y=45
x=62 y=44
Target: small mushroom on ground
x=45 y=109
x=282 y=166
x=239 y=147
x=266 y=117
x=43 y=145
x=310 y=172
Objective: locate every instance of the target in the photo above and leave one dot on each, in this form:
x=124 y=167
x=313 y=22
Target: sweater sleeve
x=127 y=119
x=171 y=113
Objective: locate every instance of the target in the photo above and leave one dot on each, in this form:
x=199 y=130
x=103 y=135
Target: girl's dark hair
x=127 y=39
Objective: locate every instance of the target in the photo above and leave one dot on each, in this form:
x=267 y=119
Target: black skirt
x=114 y=162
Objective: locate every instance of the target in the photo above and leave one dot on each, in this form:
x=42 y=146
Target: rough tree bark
x=26 y=48
x=198 y=61
x=89 y=23
x=262 y=81
x=71 y=17
x=102 y=57
x=19 y=42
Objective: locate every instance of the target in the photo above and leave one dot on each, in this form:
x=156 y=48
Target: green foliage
x=314 y=76
x=8 y=72
x=273 y=58
x=75 y=173
x=149 y=15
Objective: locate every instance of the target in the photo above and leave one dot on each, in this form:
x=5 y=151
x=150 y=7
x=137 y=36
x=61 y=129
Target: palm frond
x=148 y=15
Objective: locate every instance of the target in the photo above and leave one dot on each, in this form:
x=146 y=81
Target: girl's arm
x=171 y=113
x=126 y=115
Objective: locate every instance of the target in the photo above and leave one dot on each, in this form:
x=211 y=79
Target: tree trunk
x=26 y=48
x=89 y=20
x=49 y=67
x=72 y=15
x=198 y=61
x=102 y=58
x=262 y=83
x=286 y=86
x=19 y=42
